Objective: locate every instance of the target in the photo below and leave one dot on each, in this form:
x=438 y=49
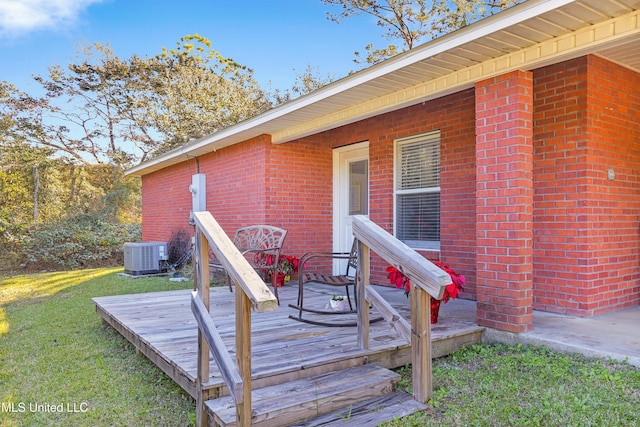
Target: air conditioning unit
x=142 y=258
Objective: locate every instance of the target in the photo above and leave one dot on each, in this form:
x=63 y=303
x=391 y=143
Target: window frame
x=429 y=137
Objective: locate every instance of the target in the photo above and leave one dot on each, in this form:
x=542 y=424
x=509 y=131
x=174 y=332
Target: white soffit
x=531 y=35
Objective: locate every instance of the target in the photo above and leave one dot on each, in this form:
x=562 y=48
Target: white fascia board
x=515 y=15
x=520 y=13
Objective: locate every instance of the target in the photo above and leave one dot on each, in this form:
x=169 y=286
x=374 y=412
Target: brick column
x=504 y=201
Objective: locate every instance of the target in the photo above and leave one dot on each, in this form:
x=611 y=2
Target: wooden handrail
x=261 y=298
x=409 y=262
x=389 y=313
x=427 y=281
x=251 y=292
x=228 y=369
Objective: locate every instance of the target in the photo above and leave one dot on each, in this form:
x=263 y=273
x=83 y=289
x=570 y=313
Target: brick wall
x=458 y=186
x=290 y=185
x=504 y=218
x=587 y=230
x=300 y=193
x=586 y=227
x=236 y=190
x=453 y=115
x=613 y=96
x=166 y=202
x=236 y=183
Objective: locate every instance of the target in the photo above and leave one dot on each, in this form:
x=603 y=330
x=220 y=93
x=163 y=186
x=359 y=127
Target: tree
x=63 y=153
x=310 y=80
x=21 y=165
x=103 y=109
x=40 y=189
x=194 y=91
x=79 y=115
x=307 y=81
x=412 y=21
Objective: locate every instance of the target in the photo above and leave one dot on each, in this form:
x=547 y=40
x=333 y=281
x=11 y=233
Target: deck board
x=162 y=327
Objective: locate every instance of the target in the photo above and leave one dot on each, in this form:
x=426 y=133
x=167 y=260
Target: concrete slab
x=613 y=335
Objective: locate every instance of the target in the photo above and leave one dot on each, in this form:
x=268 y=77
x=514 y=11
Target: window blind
x=418 y=191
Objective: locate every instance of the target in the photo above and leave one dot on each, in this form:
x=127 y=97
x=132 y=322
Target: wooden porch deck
x=162 y=327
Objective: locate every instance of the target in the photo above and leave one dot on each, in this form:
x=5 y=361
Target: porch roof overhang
x=531 y=35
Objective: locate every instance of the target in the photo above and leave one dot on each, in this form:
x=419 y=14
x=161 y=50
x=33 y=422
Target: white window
x=417 y=191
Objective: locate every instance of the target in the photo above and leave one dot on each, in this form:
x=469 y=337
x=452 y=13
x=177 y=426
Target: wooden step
x=368 y=413
x=288 y=403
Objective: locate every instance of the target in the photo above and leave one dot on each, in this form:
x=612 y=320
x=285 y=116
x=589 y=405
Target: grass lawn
x=55 y=354
x=499 y=385
x=54 y=351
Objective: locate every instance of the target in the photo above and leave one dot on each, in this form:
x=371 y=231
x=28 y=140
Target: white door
x=350 y=195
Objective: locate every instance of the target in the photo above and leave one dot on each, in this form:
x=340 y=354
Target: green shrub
x=81 y=241
x=179 y=246
x=10 y=241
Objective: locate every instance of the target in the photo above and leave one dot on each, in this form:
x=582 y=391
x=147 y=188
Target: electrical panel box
x=142 y=258
x=198 y=190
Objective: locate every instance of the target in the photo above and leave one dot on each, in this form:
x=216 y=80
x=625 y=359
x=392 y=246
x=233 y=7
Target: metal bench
x=261 y=245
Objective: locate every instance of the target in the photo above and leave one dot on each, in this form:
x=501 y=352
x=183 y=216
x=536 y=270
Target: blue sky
x=275 y=38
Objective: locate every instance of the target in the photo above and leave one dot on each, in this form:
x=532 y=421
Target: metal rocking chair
x=261 y=245
x=347 y=280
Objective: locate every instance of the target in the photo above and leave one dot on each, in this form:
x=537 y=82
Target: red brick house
x=509 y=149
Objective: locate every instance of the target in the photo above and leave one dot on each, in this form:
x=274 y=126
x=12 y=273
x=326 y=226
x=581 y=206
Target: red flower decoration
x=288 y=265
x=398 y=279
x=452 y=291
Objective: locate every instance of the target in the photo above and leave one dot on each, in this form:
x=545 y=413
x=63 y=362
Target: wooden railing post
x=202 y=274
x=363 y=305
x=251 y=292
x=426 y=280
x=421 y=344
x=243 y=355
